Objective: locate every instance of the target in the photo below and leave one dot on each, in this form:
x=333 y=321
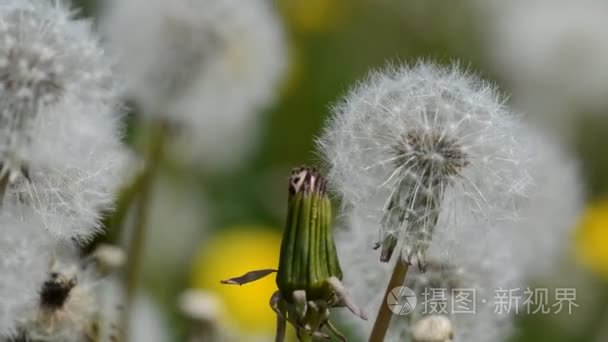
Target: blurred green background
x=334 y=43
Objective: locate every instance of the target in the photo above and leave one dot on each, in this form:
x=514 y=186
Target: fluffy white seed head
x=552 y=211
x=25 y=251
x=67 y=305
x=468 y=265
x=47 y=62
x=418 y=147
x=206 y=66
x=59 y=117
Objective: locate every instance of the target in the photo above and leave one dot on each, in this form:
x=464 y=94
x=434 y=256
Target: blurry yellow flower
x=238 y=251
x=314 y=16
x=592 y=242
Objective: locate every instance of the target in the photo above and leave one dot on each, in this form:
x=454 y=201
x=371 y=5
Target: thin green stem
x=383 y=319
x=304 y=336
x=141 y=194
x=3 y=186
x=602 y=334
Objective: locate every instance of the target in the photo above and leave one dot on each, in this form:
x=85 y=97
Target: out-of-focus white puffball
x=209 y=67
x=552 y=54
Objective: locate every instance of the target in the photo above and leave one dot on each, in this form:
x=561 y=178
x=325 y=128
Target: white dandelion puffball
x=552 y=54
x=59 y=117
x=67 y=305
x=206 y=66
x=25 y=251
x=418 y=148
x=552 y=211
x=463 y=268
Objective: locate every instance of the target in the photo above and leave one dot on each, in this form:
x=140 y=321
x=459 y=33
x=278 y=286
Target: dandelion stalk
x=383 y=319
x=137 y=236
x=4 y=180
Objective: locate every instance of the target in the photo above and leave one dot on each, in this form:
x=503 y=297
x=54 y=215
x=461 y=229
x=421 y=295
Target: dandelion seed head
x=551 y=212
x=77 y=166
x=417 y=145
x=551 y=54
x=25 y=251
x=59 y=118
x=47 y=61
x=68 y=301
x=466 y=266
x=208 y=67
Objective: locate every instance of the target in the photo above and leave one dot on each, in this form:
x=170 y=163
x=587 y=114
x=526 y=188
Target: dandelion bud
x=309 y=274
x=415 y=147
x=308 y=253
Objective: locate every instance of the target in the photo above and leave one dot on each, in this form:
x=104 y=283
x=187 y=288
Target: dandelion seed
x=429 y=143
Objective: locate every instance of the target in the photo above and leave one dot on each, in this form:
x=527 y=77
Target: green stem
x=141 y=193
x=304 y=336
x=3 y=186
x=383 y=319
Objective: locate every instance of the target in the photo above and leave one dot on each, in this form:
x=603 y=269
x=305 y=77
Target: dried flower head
x=206 y=66
x=61 y=152
x=418 y=146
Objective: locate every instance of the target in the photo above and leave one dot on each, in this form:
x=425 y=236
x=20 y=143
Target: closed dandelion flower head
x=429 y=143
x=208 y=67
x=59 y=123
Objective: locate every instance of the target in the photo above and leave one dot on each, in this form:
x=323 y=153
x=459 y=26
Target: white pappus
x=61 y=152
x=425 y=146
x=207 y=67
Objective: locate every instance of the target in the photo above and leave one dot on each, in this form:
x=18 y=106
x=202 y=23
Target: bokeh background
x=210 y=225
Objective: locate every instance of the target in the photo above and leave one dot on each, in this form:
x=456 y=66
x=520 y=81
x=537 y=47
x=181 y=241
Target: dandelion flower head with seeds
x=430 y=143
x=208 y=67
x=59 y=125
